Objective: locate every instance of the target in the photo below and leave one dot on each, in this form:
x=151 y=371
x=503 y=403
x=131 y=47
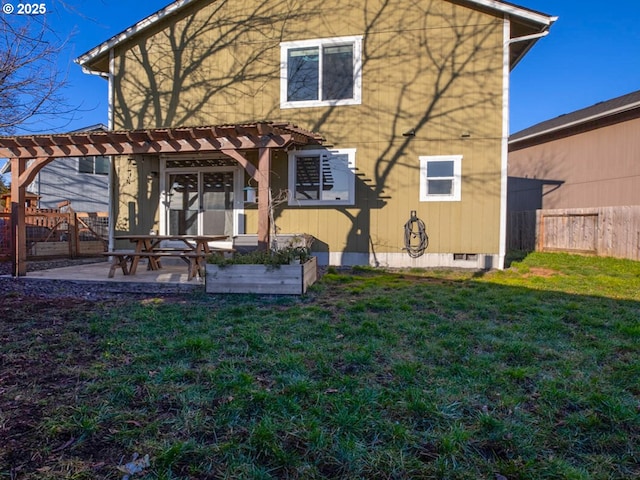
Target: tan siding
x=599 y=168
x=137 y=205
x=401 y=90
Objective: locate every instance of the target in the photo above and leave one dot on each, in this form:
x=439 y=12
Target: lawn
x=528 y=373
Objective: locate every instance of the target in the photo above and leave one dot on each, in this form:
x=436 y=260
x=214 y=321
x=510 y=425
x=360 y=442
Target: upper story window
x=321 y=72
x=440 y=178
x=98 y=165
x=319 y=177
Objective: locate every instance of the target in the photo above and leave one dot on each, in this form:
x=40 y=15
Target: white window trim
x=321 y=42
x=350 y=152
x=457 y=178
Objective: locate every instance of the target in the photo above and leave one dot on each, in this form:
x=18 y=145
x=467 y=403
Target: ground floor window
x=322 y=177
x=440 y=178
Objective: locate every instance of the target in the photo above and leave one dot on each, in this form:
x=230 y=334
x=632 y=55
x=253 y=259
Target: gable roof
x=603 y=113
x=532 y=20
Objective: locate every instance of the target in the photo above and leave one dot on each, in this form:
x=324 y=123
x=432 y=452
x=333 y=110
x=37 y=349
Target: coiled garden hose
x=416 y=239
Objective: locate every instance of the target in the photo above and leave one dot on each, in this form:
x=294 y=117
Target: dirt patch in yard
x=40 y=369
x=541 y=272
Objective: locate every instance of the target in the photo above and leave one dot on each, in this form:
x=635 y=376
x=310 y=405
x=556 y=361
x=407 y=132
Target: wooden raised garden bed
x=261 y=279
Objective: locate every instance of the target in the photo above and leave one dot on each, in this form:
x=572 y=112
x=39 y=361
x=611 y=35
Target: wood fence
x=55 y=233
x=5 y=235
x=603 y=231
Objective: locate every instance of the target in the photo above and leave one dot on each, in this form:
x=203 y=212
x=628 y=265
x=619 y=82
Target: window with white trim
x=440 y=178
x=321 y=72
x=95 y=164
x=322 y=177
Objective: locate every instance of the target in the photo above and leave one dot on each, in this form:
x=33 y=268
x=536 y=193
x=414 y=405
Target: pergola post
x=264 y=202
x=18 y=225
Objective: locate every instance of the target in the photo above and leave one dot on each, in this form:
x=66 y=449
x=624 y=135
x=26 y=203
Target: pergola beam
x=232 y=140
x=154 y=145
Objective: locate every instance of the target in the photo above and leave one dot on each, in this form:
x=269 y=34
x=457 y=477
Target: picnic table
x=191 y=248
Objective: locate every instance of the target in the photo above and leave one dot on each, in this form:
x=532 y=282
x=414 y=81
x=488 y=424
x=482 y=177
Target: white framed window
x=321 y=72
x=322 y=177
x=95 y=164
x=440 y=178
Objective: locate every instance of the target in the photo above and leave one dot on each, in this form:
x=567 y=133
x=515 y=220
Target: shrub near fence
x=602 y=231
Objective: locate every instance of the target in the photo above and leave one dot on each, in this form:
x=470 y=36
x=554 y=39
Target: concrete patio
x=171 y=278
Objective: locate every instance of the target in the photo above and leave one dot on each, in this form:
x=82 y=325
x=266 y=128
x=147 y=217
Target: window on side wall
x=322 y=177
x=440 y=178
x=321 y=72
x=98 y=165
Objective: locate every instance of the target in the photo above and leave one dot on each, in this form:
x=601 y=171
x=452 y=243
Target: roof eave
x=95 y=53
x=544 y=21
x=576 y=123
x=522 y=13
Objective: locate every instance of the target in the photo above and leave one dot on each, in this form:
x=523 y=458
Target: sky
x=592 y=54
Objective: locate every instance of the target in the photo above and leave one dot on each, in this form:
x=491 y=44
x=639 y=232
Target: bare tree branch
x=31 y=81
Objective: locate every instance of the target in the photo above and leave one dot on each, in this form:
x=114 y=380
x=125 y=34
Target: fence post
x=539 y=245
x=74 y=238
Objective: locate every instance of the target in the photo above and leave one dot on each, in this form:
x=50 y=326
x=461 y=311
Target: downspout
x=507 y=40
x=109 y=76
x=112 y=166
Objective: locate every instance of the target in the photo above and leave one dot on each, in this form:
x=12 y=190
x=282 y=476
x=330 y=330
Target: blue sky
x=591 y=55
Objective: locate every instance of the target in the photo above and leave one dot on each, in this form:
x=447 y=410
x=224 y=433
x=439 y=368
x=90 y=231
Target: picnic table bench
x=193 y=251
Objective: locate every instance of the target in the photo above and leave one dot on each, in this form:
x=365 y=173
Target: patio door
x=201 y=203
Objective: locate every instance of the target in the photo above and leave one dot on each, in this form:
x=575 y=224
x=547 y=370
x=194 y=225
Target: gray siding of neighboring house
x=60 y=180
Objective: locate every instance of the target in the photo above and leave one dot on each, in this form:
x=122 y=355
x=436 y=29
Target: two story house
x=378 y=127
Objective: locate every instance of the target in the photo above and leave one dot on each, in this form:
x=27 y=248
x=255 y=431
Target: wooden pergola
x=28 y=154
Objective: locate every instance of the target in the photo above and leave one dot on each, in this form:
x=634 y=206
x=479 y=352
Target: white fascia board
x=129 y=32
x=608 y=113
x=509 y=9
x=516 y=11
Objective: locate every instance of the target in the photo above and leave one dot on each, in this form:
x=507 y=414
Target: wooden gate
x=604 y=231
x=57 y=233
x=568 y=231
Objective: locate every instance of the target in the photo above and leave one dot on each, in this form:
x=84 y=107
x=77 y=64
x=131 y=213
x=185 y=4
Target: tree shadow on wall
x=432 y=68
x=453 y=90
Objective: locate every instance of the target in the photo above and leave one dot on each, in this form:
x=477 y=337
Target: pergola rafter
x=30 y=153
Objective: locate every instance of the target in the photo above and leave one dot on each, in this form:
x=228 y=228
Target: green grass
x=529 y=373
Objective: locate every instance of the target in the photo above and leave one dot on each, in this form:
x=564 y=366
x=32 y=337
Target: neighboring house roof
x=534 y=22
x=596 y=116
x=92 y=128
